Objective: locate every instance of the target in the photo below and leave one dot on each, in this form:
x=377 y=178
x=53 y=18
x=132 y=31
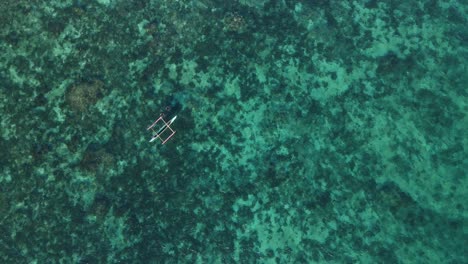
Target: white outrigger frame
x=165 y=126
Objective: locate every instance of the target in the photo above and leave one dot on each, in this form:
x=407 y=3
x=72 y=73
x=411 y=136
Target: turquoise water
x=308 y=132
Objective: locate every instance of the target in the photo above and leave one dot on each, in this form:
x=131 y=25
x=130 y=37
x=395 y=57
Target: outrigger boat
x=165 y=131
x=165 y=126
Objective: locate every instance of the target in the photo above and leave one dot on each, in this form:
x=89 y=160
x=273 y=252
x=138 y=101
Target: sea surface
x=328 y=131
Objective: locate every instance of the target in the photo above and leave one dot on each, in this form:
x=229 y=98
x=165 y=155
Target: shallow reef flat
x=309 y=131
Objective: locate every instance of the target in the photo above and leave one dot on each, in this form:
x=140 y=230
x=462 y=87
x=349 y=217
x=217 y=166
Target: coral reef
x=308 y=132
x=82 y=96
